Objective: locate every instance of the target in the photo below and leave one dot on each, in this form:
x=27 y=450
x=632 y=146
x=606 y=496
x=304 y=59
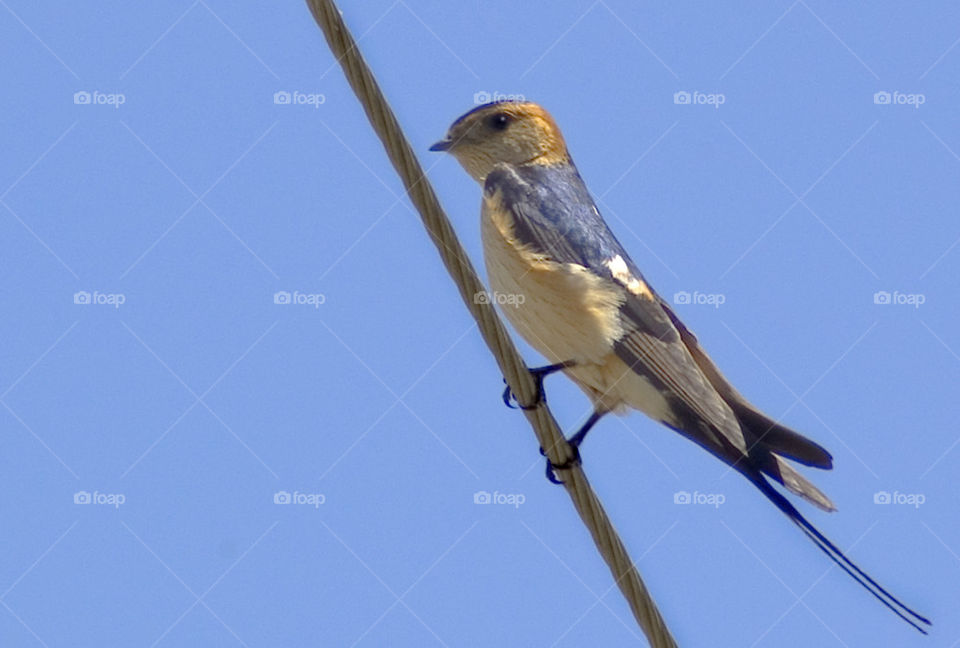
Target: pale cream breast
x=566 y=313
x=562 y=310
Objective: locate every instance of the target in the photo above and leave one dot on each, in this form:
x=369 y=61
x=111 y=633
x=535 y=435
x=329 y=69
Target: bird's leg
x=574 y=442
x=539 y=373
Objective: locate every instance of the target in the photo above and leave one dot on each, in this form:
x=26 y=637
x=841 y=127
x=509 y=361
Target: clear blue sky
x=178 y=199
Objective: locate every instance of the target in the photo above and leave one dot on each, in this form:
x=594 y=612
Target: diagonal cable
x=521 y=382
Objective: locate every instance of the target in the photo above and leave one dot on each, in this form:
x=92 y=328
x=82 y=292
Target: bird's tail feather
x=780 y=470
x=837 y=556
x=769 y=434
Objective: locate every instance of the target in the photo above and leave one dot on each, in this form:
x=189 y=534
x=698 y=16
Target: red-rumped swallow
x=587 y=308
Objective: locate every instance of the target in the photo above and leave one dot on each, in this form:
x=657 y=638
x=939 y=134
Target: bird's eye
x=499 y=121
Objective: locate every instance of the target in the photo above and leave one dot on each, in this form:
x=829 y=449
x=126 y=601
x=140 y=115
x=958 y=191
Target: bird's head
x=516 y=133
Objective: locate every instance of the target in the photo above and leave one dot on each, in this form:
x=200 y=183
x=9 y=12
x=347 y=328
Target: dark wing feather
x=764 y=431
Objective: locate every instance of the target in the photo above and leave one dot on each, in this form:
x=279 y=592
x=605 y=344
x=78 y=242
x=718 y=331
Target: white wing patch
x=618 y=268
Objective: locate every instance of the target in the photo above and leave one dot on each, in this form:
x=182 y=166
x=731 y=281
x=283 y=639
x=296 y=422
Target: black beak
x=442 y=145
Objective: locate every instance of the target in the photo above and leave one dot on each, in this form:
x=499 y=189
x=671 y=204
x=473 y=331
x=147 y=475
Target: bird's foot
x=574 y=443
x=539 y=373
x=569 y=463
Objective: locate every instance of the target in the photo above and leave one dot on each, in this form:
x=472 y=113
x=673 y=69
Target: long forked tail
x=837 y=556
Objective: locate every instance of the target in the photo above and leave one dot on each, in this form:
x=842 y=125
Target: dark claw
x=539 y=373
x=551 y=469
x=508 y=396
x=574 y=442
x=552 y=476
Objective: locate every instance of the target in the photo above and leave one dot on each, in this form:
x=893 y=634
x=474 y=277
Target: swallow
x=587 y=308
